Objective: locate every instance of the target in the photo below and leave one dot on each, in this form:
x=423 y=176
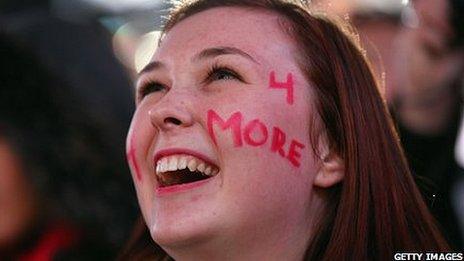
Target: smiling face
x=219 y=144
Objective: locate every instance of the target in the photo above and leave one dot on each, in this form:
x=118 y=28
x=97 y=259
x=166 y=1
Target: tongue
x=177 y=177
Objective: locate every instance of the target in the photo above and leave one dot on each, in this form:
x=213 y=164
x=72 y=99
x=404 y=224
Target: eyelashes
x=222 y=73
x=150 y=87
x=214 y=74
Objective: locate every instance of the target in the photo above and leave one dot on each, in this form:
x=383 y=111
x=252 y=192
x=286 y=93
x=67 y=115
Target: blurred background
x=67 y=74
x=416 y=51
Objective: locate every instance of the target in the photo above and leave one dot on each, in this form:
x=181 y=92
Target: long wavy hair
x=377 y=209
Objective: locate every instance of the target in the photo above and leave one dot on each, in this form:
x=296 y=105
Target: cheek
x=258 y=136
x=133 y=147
x=139 y=142
x=261 y=185
x=265 y=142
x=131 y=157
x=273 y=121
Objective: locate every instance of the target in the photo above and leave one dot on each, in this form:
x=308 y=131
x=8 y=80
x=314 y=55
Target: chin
x=182 y=234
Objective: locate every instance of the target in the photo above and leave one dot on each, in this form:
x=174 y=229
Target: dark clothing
x=90 y=99
x=435 y=169
x=81 y=55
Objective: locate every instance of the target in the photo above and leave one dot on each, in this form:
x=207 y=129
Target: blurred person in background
x=377 y=32
x=76 y=51
x=417 y=56
x=426 y=98
x=63 y=186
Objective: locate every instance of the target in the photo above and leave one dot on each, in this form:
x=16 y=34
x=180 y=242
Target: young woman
x=260 y=134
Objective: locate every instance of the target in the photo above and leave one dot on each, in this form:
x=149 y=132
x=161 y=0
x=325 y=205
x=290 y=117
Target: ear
x=331 y=172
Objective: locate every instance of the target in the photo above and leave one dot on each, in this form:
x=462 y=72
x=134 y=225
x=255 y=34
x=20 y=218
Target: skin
x=426 y=66
x=259 y=207
x=17 y=199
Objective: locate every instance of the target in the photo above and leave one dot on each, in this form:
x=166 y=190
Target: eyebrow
x=151 y=66
x=221 y=50
x=205 y=54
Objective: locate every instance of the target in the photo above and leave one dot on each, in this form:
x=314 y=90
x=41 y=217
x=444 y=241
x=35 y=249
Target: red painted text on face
x=255 y=133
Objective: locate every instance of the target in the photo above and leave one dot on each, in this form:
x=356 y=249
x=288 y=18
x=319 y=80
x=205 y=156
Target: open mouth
x=183 y=169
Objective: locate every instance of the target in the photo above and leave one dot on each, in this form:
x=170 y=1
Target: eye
x=222 y=74
x=150 y=87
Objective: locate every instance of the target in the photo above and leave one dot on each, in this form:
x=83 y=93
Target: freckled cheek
x=138 y=147
x=267 y=187
x=276 y=130
x=138 y=144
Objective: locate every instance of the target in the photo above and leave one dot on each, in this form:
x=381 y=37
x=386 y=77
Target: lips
x=178 y=167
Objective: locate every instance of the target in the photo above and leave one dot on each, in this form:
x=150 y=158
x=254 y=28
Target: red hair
x=377 y=209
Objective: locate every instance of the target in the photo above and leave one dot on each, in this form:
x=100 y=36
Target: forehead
x=257 y=32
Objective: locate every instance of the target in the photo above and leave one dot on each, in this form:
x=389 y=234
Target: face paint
x=257 y=126
x=293 y=154
x=278 y=141
x=288 y=85
x=278 y=135
x=234 y=122
x=131 y=159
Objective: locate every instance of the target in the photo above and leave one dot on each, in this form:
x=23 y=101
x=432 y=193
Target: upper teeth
x=179 y=162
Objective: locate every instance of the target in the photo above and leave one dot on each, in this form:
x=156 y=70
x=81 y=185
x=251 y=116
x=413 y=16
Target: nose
x=168 y=115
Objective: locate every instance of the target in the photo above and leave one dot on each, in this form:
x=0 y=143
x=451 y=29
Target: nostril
x=172 y=120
